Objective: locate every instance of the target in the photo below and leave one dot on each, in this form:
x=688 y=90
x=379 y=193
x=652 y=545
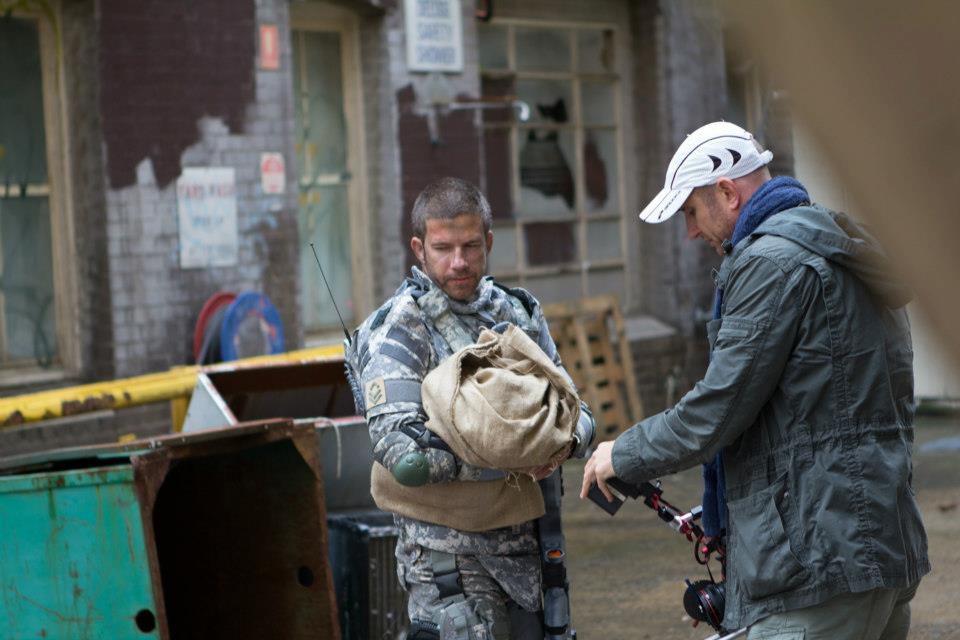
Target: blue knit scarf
x=772 y=197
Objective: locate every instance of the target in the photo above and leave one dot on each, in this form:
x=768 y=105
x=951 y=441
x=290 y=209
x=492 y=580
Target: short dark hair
x=446 y=199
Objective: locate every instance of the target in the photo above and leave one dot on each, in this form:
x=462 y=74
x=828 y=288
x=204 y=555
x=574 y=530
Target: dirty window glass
x=600 y=171
x=549 y=100
x=503 y=256
x=318 y=87
x=28 y=322
x=551 y=243
x=542 y=49
x=547 y=185
x=493 y=46
x=603 y=239
x=558 y=173
x=595 y=50
x=324 y=222
x=597 y=102
x=323 y=178
x=555 y=288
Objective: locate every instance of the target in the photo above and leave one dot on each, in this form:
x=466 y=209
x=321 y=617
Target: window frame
x=582 y=265
x=59 y=191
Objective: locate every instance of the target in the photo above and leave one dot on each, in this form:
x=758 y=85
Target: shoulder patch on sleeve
x=375 y=392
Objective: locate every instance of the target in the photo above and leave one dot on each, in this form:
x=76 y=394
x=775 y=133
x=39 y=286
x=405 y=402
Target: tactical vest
x=464 y=505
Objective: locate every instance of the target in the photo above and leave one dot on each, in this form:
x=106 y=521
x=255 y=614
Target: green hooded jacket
x=809 y=396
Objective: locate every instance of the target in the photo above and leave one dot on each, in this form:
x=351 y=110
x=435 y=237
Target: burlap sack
x=502 y=403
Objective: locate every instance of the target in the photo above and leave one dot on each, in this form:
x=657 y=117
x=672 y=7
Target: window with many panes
x=554 y=182
x=28 y=323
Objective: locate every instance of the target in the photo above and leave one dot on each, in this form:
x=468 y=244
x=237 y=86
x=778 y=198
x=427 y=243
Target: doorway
x=329 y=149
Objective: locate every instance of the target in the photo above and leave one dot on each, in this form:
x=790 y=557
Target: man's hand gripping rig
x=652 y=495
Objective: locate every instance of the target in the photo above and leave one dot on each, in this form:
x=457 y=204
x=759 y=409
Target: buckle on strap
x=446 y=575
x=424 y=437
x=553 y=570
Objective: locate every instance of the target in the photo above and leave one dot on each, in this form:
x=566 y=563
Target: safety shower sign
x=207 y=210
x=434 y=35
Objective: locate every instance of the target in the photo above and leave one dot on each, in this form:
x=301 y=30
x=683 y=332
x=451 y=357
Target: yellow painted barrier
x=178 y=383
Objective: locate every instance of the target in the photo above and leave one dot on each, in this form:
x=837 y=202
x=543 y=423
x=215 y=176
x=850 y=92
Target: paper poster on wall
x=273 y=177
x=434 y=35
x=207 y=210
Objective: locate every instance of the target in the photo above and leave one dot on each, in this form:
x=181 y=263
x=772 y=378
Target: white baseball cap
x=716 y=150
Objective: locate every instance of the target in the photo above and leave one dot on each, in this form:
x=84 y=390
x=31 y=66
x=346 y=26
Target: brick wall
x=229 y=113
x=418 y=160
x=679 y=85
x=673 y=81
x=137 y=307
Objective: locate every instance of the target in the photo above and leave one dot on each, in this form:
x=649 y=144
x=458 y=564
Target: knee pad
x=459 y=620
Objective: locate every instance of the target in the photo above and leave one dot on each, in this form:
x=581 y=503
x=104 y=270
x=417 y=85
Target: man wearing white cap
x=804 y=416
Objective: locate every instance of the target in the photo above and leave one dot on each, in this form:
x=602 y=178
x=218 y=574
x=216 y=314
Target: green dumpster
x=218 y=534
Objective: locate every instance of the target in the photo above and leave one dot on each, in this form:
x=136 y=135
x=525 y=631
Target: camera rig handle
x=684 y=522
x=703 y=600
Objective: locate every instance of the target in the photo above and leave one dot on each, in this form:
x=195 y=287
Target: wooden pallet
x=592 y=342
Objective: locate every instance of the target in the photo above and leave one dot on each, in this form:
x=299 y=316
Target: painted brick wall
x=407 y=159
x=154 y=301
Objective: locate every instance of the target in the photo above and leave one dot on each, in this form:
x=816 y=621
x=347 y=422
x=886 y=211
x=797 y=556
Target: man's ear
x=489 y=241
x=728 y=194
x=416 y=245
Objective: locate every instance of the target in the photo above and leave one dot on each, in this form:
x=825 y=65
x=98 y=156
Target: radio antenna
x=335 y=307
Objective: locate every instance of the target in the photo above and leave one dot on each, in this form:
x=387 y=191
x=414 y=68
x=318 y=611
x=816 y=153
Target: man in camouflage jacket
x=461 y=585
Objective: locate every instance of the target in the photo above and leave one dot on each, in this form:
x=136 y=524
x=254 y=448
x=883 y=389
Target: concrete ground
x=627 y=571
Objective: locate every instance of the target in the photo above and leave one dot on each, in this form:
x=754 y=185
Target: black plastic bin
x=370 y=601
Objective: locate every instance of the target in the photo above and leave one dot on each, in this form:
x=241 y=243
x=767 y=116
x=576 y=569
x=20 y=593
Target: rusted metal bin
x=219 y=534
x=313 y=392
x=362 y=538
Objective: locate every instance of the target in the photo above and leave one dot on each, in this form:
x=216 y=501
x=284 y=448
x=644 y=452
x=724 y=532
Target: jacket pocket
x=713 y=328
x=730 y=330
x=763 y=558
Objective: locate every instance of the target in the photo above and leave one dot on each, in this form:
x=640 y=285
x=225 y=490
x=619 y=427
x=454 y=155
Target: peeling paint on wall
x=162 y=69
x=457 y=154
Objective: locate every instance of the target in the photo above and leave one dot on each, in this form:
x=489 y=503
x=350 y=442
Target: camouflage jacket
x=392 y=351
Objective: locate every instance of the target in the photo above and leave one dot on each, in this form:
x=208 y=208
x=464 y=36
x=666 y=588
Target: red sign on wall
x=273 y=178
x=269 y=46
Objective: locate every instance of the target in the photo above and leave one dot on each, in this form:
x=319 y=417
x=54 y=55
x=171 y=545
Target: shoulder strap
x=525 y=308
x=556 y=599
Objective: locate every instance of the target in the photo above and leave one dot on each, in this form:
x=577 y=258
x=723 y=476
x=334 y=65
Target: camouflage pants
x=481 y=578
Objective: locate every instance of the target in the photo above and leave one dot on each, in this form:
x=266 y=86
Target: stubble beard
x=461 y=293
